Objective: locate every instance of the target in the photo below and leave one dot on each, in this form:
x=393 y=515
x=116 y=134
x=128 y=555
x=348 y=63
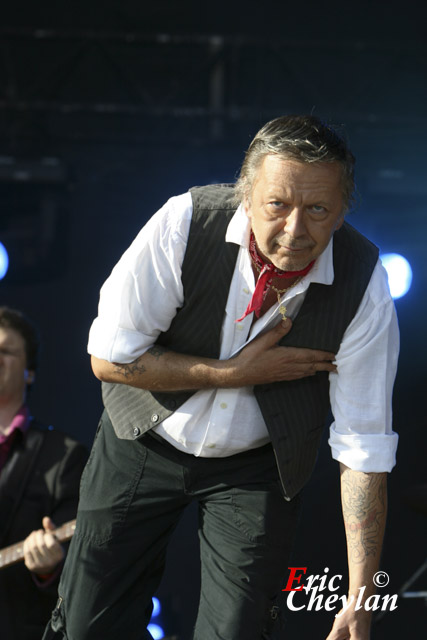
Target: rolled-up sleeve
x=361 y=435
x=141 y=296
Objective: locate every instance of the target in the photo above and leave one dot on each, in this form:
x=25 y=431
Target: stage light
x=157 y=607
x=399 y=273
x=156 y=631
x=34 y=228
x=4 y=261
x=161 y=621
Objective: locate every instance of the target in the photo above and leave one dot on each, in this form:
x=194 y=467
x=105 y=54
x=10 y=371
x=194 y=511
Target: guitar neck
x=15 y=553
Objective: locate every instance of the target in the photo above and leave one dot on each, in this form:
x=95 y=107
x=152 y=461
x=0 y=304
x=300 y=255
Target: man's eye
x=276 y=204
x=317 y=208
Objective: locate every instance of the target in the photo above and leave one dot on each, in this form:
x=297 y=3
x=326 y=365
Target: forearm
x=364 y=505
x=161 y=370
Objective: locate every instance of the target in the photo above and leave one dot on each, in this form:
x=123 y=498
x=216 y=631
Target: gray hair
x=302 y=138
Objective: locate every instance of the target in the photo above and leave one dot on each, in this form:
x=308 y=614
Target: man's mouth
x=292 y=249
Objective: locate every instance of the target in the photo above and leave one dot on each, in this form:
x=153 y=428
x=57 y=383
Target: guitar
x=15 y=553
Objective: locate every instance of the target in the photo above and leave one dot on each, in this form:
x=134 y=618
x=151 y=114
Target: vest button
x=154 y=417
x=136 y=432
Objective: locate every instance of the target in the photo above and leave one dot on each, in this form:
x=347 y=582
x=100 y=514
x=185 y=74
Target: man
x=219 y=334
x=40 y=471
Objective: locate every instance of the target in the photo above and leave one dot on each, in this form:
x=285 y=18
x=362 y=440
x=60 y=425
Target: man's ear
x=340 y=222
x=246 y=207
x=30 y=377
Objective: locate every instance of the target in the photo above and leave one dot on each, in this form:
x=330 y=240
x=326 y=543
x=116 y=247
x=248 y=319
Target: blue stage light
x=399 y=273
x=156 y=631
x=157 y=607
x=4 y=261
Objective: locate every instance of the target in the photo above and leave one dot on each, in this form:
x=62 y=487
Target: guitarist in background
x=40 y=471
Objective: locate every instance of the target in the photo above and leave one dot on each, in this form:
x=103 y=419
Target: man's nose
x=294 y=223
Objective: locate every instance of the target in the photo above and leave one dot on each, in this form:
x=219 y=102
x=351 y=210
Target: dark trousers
x=132 y=496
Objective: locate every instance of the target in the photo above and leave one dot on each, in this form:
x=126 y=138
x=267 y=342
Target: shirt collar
x=238 y=231
x=21 y=421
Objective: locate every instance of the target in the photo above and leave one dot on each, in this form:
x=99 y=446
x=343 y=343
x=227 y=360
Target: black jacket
x=41 y=478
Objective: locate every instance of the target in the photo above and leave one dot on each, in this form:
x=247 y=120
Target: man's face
x=14 y=375
x=294 y=210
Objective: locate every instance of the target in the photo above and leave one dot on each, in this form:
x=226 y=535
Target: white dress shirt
x=140 y=298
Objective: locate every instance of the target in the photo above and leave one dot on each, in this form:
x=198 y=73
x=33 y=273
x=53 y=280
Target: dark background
x=109 y=108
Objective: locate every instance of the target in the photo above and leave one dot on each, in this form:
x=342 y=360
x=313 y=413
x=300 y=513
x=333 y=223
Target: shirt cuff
x=116 y=344
x=374 y=452
x=42 y=582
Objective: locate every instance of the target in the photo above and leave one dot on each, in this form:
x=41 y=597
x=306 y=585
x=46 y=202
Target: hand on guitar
x=42 y=551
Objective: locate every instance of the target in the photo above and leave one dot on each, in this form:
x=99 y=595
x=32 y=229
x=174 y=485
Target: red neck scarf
x=267 y=272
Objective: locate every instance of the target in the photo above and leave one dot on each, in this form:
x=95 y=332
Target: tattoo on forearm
x=128 y=370
x=136 y=367
x=364 y=507
x=156 y=351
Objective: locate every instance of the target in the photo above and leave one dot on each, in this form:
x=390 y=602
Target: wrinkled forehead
x=285 y=174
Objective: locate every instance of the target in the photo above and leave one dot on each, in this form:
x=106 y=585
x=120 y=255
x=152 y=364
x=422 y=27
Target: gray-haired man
x=233 y=321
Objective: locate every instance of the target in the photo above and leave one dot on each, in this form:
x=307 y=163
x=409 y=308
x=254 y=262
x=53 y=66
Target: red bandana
x=267 y=272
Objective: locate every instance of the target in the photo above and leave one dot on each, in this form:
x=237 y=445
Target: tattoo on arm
x=136 y=367
x=364 y=508
x=156 y=351
x=128 y=370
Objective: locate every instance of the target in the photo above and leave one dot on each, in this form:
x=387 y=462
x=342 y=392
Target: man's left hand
x=351 y=625
x=42 y=551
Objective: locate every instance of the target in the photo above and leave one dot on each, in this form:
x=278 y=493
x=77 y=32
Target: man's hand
x=351 y=625
x=42 y=551
x=263 y=361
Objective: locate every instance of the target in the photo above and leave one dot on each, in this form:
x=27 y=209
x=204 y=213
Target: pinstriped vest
x=294 y=412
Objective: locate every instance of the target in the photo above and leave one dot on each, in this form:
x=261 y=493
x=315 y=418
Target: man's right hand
x=263 y=361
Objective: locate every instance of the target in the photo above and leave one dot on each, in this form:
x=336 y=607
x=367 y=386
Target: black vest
x=294 y=412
